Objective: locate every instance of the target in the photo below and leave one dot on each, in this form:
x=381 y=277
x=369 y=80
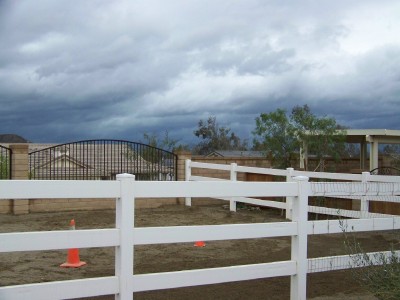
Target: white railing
x=289 y=173
x=125 y=236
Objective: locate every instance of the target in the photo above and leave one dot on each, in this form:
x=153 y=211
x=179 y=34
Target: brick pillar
x=182 y=157
x=20 y=171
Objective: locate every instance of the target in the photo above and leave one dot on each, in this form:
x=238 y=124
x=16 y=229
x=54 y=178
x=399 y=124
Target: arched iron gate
x=385 y=171
x=102 y=160
x=5 y=162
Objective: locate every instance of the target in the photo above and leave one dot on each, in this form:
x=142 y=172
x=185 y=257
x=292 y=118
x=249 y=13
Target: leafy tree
x=153 y=154
x=213 y=137
x=323 y=135
x=166 y=142
x=393 y=151
x=276 y=135
x=281 y=135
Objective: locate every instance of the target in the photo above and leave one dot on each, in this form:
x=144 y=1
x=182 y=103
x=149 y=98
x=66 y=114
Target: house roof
x=12 y=138
x=235 y=153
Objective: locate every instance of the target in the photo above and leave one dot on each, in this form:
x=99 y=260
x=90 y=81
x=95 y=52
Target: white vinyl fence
x=318 y=190
x=125 y=236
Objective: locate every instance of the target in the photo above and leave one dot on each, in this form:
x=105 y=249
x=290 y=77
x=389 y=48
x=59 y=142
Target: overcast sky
x=72 y=70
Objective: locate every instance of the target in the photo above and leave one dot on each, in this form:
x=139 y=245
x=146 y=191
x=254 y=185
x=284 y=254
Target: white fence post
x=364 y=203
x=298 y=282
x=289 y=200
x=233 y=176
x=125 y=214
x=188 y=173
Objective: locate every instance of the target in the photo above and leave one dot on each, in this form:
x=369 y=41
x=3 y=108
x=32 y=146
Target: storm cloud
x=118 y=69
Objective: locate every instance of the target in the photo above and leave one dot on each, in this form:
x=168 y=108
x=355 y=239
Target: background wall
x=20 y=170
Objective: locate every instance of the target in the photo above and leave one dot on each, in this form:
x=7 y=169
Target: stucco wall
x=5 y=206
x=20 y=171
x=242 y=161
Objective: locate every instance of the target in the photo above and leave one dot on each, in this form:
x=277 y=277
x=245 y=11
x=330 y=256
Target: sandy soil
x=31 y=267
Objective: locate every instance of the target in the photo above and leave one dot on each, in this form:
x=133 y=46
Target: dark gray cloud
x=101 y=69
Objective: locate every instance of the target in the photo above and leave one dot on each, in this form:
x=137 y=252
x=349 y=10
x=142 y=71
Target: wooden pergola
x=363 y=137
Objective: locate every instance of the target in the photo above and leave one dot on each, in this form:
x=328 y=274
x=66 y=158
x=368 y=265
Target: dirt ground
x=32 y=267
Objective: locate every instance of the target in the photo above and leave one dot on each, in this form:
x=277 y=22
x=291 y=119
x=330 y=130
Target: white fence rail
x=374 y=184
x=125 y=236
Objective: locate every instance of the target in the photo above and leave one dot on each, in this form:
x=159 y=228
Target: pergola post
x=363 y=155
x=373 y=152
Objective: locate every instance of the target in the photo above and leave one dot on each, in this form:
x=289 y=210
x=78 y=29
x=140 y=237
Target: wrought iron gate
x=5 y=162
x=102 y=160
x=385 y=171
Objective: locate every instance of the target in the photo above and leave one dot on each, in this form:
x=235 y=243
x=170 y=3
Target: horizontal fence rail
x=182 y=234
x=28 y=189
x=52 y=240
x=48 y=189
x=214 y=189
x=343 y=262
x=67 y=289
x=277 y=172
x=170 y=280
x=354 y=189
x=352 y=225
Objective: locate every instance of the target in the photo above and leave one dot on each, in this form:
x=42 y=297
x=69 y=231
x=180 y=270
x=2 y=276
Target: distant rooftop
x=227 y=153
x=12 y=138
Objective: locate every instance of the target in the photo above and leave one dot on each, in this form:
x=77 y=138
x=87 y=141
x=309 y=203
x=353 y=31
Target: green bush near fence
x=379 y=273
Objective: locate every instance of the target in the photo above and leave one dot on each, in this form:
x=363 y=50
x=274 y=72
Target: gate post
x=298 y=282
x=125 y=215
x=20 y=171
x=182 y=155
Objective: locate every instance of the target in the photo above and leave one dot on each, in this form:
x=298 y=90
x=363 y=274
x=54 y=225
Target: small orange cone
x=73 y=260
x=200 y=244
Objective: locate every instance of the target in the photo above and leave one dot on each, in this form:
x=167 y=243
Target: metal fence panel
x=5 y=162
x=102 y=160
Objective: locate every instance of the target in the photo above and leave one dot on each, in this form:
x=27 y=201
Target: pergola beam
x=363 y=137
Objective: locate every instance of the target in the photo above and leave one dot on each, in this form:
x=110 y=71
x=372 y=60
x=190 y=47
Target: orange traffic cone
x=73 y=260
x=200 y=244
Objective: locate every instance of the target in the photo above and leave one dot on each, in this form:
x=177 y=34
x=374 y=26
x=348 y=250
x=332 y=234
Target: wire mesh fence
x=354 y=199
x=351 y=208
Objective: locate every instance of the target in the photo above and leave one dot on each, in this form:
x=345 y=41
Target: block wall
x=20 y=170
x=6 y=206
x=242 y=161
